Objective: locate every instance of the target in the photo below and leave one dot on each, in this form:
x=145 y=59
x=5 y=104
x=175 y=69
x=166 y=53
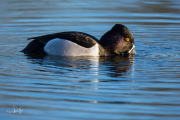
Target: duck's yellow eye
x=127 y=39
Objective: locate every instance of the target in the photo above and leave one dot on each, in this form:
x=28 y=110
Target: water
x=146 y=86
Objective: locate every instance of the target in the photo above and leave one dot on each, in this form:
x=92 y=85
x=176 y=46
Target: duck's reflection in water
x=114 y=66
x=87 y=75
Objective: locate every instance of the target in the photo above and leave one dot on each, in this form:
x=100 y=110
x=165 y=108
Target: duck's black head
x=118 y=40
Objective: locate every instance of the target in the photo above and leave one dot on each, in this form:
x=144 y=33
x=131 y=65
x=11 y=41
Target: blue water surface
x=145 y=86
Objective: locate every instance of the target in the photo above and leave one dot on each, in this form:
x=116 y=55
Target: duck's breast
x=63 y=47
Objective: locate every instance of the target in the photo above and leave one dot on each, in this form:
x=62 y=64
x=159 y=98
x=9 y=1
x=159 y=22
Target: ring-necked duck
x=118 y=40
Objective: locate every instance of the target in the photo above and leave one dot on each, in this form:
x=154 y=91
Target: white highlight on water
x=63 y=47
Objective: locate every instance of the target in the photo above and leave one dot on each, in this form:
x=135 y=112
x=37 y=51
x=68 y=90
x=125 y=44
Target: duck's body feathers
x=82 y=39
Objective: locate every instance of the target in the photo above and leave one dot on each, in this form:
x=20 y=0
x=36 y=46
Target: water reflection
x=116 y=65
x=88 y=76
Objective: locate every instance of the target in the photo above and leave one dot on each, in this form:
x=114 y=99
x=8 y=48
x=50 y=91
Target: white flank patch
x=63 y=47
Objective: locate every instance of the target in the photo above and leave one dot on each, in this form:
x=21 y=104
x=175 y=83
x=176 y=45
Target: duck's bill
x=132 y=51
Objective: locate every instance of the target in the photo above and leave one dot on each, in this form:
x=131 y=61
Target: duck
x=118 y=40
